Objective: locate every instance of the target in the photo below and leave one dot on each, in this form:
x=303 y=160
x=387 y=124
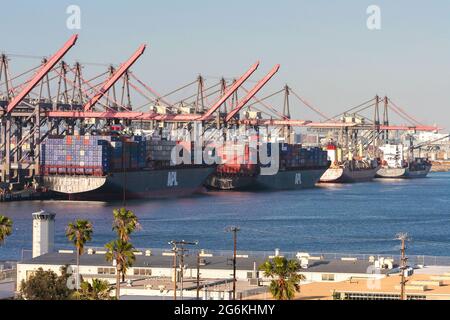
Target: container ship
x=394 y=166
x=298 y=168
x=108 y=167
x=348 y=171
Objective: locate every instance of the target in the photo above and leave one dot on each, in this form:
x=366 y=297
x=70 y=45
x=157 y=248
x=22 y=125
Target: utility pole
x=178 y=249
x=403 y=237
x=181 y=253
x=235 y=230
x=174 y=250
x=198 y=275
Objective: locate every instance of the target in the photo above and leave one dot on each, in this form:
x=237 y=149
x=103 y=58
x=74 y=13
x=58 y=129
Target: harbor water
x=343 y=218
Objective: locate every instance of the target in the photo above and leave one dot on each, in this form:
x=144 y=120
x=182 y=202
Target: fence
x=8 y=275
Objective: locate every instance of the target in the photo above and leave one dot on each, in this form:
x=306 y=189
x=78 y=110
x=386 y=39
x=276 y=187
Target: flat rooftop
x=386 y=286
x=190 y=284
x=215 y=262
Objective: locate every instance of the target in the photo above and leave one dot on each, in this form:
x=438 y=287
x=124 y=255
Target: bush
x=47 y=285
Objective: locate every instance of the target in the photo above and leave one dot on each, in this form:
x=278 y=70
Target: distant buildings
x=436 y=145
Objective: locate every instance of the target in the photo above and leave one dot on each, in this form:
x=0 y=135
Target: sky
x=327 y=53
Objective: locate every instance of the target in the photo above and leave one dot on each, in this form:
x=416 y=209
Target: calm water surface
x=354 y=218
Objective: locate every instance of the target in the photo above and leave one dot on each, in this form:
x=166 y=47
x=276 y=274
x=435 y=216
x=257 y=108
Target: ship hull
x=290 y=180
x=143 y=184
x=345 y=175
x=283 y=180
x=402 y=173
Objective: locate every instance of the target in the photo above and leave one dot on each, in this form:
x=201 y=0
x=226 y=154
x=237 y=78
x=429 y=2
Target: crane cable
x=308 y=104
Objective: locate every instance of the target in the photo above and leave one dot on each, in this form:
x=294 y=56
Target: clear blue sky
x=325 y=50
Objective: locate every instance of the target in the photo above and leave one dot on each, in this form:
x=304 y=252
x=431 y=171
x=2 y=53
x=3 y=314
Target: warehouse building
x=153 y=273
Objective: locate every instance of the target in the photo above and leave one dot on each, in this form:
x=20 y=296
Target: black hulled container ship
x=298 y=168
x=108 y=167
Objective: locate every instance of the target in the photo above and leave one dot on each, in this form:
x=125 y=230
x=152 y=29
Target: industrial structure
x=55 y=100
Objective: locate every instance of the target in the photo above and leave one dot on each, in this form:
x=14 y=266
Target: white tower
x=43 y=232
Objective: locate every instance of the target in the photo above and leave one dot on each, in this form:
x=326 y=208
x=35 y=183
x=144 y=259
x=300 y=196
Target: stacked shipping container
x=128 y=154
x=237 y=158
x=99 y=155
x=160 y=150
x=89 y=155
x=295 y=156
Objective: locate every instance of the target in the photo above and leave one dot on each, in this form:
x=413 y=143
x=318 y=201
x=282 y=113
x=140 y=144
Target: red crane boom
x=45 y=69
x=114 y=78
x=230 y=91
x=130 y=115
x=252 y=93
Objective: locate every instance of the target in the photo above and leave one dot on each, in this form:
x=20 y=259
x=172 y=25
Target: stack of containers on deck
x=268 y=146
x=86 y=155
x=294 y=156
x=160 y=151
x=236 y=158
x=128 y=153
x=141 y=152
x=116 y=153
x=316 y=157
x=187 y=147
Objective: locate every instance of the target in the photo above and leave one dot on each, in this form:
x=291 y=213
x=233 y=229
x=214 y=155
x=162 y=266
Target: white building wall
x=89 y=272
x=25 y=270
x=338 y=277
x=92 y=272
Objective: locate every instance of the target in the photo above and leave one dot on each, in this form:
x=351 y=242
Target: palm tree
x=125 y=223
x=79 y=232
x=288 y=279
x=122 y=253
x=5 y=228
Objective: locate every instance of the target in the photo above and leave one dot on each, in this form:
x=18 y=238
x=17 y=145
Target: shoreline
x=440 y=166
